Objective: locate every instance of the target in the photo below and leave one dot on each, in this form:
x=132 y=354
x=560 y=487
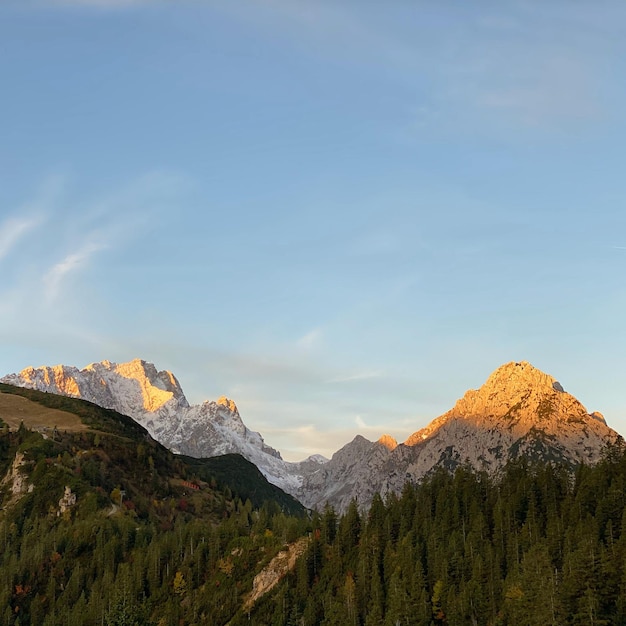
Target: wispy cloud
x=310 y=340
x=355 y=377
x=76 y=230
x=504 y=61
x=72 y=263
x=12 y=230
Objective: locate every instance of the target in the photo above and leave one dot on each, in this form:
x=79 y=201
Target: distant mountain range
x=519 y=411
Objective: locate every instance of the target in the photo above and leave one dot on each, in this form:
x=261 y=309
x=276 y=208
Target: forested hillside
x=537 y=547
x=103 y=525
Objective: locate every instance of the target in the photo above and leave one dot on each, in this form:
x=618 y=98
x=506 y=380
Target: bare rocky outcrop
x=16 y=479
x=67 y=501
x=388 y=441
x=273 y=573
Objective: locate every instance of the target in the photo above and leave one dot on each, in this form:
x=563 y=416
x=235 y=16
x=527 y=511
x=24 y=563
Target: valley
x=507 y=510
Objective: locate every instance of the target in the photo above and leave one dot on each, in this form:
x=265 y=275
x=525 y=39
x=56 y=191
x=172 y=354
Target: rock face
x=275 y=571
x=16 y=479
x=67 y=501
x=156 y=400
x=519 y=411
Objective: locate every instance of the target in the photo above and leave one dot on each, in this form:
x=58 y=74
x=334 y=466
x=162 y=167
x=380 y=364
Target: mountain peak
x=520 y=373
x=228 y=403
x=388 y=441
x=515 y=396
x=112 y=385
x=520 y=392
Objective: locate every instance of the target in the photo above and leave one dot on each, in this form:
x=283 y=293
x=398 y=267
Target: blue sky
x=341 y=215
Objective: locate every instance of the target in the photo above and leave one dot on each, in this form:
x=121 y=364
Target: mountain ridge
x=155 y=399
x=519 y=410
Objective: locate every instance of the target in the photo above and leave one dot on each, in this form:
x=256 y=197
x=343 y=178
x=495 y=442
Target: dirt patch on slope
x=16 y=409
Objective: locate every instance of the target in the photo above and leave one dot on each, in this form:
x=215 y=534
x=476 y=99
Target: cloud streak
x=12 y=230
x=355 y=377
x=44 y=260
x=72 y=263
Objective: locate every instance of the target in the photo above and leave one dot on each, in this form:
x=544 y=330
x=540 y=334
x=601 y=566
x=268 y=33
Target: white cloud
x=76 y=229
x=503 y=60
x=72 y=263
x=32 y=214
x=12 y=230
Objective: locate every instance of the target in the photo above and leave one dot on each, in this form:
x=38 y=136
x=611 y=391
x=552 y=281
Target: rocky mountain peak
x=157 y=388
x=58 y=378
x=388 y=441
x=515 y=396
x=520 y=392
x=516 y=375
x=228 y=403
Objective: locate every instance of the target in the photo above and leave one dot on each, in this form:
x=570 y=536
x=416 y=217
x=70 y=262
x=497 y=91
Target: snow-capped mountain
x=519 y=411
x=156 y=400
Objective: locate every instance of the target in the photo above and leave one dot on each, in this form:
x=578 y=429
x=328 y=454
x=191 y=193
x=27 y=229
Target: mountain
x=156 y=400
x=519 y=412
x=123 y=449
x=101 y=524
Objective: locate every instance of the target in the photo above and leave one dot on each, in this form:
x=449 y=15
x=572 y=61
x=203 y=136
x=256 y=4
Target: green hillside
x=148 y=537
